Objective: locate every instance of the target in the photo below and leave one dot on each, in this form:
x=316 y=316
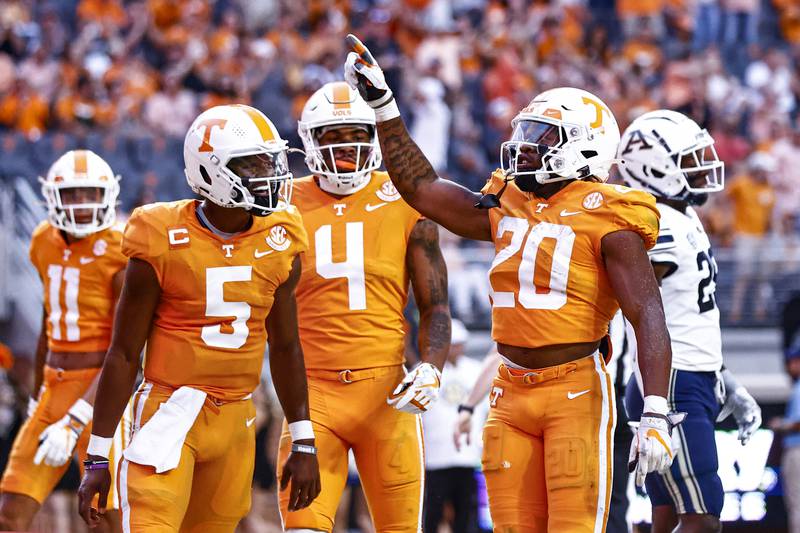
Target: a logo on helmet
x=598 y=109
x=208 y=125
x=277 y=238
x=552 y=113
x=100 y=247
x=593 y=200
x=387 y=192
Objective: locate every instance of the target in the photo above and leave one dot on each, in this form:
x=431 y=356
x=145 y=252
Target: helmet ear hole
x=656 y=173
x=589 y=153
x=204 y=174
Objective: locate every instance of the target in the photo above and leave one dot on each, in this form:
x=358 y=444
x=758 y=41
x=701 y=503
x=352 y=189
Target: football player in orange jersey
x=570 y=250
x=77 y=254
x=365 y=245
x=207 y=284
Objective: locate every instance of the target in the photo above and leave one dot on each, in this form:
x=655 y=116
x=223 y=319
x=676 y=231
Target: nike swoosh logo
x=86 y=260
x=259 y=255
x=249 y=421
x=565 y=213
x=573 y=395
x=370 y=207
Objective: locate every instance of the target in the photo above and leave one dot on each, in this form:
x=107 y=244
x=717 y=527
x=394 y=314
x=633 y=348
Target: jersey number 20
x=556 y=295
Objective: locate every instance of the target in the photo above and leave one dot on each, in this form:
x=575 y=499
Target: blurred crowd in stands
x=127 y=78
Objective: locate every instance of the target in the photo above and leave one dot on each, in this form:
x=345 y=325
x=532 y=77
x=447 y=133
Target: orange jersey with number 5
x=548 y=280
x=354 y=285
x=78 y=289
x=209 y=328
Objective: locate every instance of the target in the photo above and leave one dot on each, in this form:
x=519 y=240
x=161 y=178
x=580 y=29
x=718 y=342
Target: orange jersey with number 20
x=548 y=280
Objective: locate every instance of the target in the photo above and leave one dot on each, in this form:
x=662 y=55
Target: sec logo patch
x=100 y=247
x=593 y=200
x=387 y=192
x=277 y=238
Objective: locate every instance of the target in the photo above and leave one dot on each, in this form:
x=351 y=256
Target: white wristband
x=82 y=411
x=100 y=446
x=655 y=404
x=387 y=112
x=301 y=430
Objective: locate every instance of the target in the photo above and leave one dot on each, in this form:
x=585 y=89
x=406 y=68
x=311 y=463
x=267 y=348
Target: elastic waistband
x=351 y=376
x=534 y=376
x=52 y=374
x=210 y=398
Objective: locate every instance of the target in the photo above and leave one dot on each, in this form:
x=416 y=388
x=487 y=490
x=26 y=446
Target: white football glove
x=33 y=402
x=653 y=448
x=418 y=390
x=57 y=441
x=742 y=405
x=363 y=74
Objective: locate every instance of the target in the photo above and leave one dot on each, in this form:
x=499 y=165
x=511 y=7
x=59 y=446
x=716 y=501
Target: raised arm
x=137 y=304
x=428 y=274
x=289 y=377
x=443 y=201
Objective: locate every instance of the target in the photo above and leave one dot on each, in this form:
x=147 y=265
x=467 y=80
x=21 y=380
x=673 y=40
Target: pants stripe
x=606 y=429
x=421 y=443
x=141 y=399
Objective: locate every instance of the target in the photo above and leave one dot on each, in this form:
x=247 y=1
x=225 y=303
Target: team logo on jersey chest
x=387 y=192
x=593 y=200
x=278 y=239
x=100 y=247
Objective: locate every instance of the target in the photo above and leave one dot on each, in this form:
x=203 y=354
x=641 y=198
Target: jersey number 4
x=554 y=296
x=352 y=268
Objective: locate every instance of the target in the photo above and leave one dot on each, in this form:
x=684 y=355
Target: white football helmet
x=572 y=130
x=238 y=136
x=81 y=192
x=336 y=104
x=666 y=153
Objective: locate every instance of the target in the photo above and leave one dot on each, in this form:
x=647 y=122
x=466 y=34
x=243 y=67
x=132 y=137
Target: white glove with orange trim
x=363 y=74
x=57 y=441
x=418 y=390
x=652 y=448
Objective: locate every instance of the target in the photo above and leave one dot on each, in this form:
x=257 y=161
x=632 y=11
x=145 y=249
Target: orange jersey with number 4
x=548 y=280
x=354 y=286
x=78 y=289
x=209 y=328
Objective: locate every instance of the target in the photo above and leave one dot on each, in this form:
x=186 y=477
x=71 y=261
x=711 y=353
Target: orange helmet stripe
x=81 y=163
x=260 y=121
x=341 y=95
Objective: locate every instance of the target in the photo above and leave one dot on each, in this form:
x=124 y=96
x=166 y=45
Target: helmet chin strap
x=328 y=186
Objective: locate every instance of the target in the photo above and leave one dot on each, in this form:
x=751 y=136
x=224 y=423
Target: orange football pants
x=349 y=411
x=548 y=453
x=209 y=490
x=62 y=388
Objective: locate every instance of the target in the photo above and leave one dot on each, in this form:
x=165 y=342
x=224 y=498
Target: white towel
x=159 y=442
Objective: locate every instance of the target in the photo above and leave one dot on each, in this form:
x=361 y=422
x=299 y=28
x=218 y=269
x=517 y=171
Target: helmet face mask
x=347 y=158
x=670 y=156
x=81 y=193
x=265 y=179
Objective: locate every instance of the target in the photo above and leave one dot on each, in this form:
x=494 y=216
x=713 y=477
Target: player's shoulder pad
x=40 y=229
x=147 y=228
x=629 y=208
x=495 y=182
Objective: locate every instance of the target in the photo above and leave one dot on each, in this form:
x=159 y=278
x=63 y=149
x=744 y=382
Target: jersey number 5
x=555 y=294
x=216 y=306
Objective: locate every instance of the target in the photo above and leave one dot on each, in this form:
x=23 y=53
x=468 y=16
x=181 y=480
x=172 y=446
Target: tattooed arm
x=428 y=274
x=441 y=200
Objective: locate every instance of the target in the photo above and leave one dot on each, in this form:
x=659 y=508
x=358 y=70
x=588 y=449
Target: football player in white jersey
x=670 y=156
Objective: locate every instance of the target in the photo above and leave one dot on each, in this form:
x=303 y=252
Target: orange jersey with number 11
x=78 y=288
x=548 y=280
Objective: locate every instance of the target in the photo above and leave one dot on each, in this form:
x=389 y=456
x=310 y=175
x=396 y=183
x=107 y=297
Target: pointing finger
x=355 y=44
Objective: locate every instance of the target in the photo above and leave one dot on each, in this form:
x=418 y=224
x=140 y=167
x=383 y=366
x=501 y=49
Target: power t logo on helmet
x=236 y=158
